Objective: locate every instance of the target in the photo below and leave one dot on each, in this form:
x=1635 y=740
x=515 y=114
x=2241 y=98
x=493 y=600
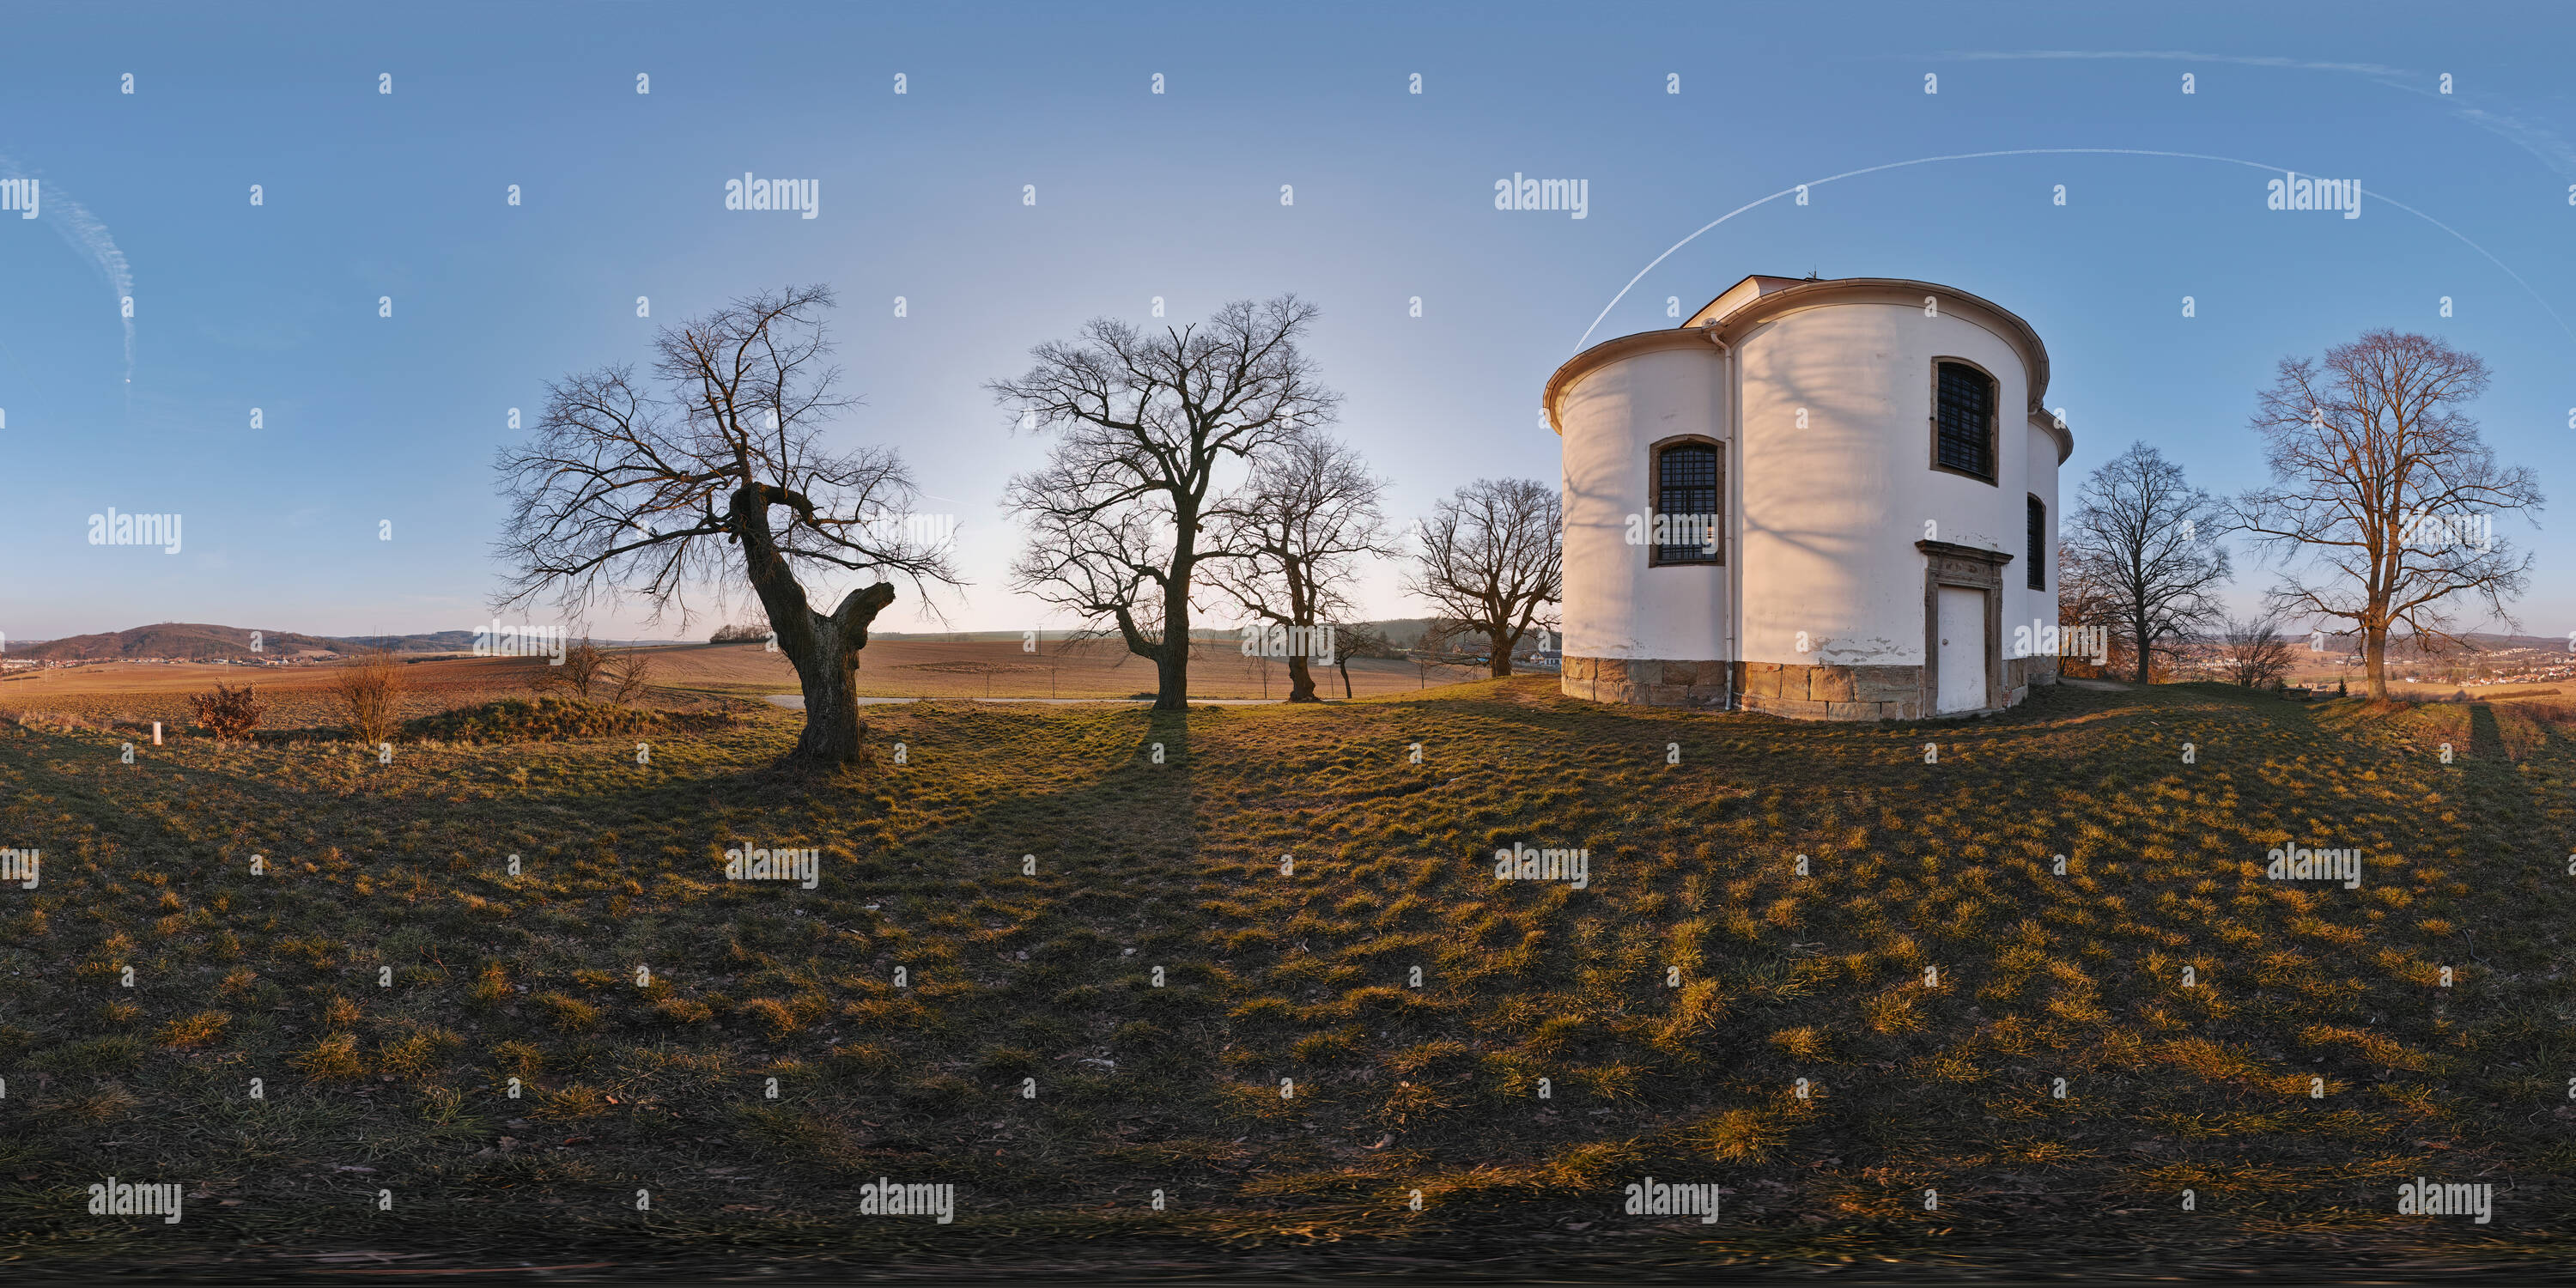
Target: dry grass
x=1308 y=976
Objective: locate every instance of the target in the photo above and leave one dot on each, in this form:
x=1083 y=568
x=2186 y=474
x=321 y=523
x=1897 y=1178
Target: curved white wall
x=1831 y=512
x=2039 y=470
x=1616 y=606
x=1823 y=517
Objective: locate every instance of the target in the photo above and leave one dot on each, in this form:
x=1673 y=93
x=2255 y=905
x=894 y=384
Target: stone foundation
x=1833 y=692
x=1779 y=688
x=1644 y=682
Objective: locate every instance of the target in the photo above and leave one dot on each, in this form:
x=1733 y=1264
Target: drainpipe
x=1734 y=506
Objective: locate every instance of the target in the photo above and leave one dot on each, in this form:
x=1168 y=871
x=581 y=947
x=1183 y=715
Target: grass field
x=138 y=693
x=1930 y=977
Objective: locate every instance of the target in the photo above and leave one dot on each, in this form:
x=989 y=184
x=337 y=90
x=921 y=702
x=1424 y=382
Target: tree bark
x=1500 y=658
x=1172 y=668
x=834 y=734
x=2374 y=661
x=1301 y=679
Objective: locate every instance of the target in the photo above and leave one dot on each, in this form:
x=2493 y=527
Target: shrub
x=2253 y=654
x=370 y=689
x=581 y=668
x=228 y=713
x=739 y=633
x=628 y=674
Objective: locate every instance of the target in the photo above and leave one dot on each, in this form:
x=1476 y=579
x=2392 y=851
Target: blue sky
x=367 y=195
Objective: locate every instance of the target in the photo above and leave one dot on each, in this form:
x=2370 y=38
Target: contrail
x=2030 y=152
x=90 y=237
x=2538 y=140
x=2177 y=55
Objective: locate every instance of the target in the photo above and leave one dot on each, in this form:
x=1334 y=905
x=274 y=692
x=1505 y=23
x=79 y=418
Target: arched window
x=1963 y=421
x=2038 y=542
x=1690 y=491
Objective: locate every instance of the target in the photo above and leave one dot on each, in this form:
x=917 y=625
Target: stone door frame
x=1967 y=567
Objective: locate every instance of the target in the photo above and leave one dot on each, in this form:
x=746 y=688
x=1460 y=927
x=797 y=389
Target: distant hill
x=186 y=640
x=190 y=641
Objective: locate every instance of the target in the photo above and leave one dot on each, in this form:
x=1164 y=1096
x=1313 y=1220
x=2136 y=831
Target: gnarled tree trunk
x=829 y=672
x=823 y=649
x=1301 y=679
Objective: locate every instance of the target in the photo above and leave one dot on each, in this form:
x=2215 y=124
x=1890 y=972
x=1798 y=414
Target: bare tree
x=582 y=665
x=2083 y=600
x=2252 y=652
x=1128 y=503
x=1308 y=515
x=622 y=493
x=2383 y=498
x=1432 y=648
x=629 y=673
x=1360 y=639
x=1492 y=559
x=2146 y=542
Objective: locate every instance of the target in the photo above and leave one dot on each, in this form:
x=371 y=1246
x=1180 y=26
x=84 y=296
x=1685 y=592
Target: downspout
x=1734 y=507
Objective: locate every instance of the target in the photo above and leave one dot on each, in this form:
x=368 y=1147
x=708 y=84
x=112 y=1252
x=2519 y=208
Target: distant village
x=307 y=658
x=2487 y=667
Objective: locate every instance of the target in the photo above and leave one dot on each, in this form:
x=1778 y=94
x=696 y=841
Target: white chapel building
x=1829 y=500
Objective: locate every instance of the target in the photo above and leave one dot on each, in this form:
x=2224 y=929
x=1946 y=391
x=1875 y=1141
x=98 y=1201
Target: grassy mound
x=1208 y=987
x=551 y=717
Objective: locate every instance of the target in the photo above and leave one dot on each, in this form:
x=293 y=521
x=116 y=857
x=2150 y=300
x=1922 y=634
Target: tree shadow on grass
x=2486 y=738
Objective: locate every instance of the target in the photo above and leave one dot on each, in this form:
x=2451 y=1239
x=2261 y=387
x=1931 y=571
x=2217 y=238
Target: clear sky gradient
x=1176 y=195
